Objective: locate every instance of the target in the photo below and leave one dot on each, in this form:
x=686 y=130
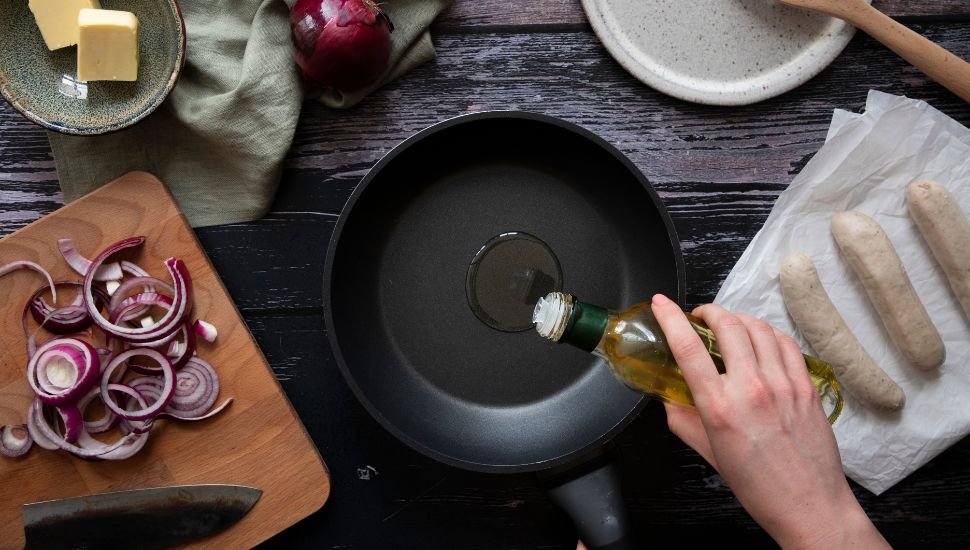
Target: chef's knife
x=142 y=519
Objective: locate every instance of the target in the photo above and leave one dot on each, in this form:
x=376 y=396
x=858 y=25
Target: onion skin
x=343 y=45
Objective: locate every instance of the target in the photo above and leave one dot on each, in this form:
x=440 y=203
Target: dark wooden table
x=719 y=170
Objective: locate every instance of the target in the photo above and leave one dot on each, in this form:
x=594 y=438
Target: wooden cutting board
x=258 y=441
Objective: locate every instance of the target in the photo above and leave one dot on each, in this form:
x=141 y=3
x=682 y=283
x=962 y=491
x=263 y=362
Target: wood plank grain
x=28 y=181
x=719 y=170
x=268 y=281
x=474 y=13
x=258 y=441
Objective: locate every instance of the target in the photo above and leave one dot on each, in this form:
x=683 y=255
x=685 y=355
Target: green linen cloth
x=219 y=140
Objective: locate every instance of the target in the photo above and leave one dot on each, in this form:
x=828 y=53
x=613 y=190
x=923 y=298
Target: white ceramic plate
x=719 y=52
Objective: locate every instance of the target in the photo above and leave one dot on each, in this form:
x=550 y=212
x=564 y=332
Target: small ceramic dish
x=719 y=52
x=42 y=84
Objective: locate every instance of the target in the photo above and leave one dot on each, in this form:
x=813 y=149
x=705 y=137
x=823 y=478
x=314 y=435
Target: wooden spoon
x=924 y=54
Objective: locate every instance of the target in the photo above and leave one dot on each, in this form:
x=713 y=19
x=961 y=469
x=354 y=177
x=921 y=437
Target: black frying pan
x=402 y=319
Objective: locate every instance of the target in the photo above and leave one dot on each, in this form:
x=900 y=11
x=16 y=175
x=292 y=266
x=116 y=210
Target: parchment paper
x=865 y=165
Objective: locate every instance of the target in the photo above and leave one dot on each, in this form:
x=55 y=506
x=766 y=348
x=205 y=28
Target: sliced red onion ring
x=169 y=323
x=206 y=330
x=191 y=394
x=73 y=422
x=135 y=398
x=36 y=434
x=14 y=266
x=63 y=320
x=80 y=264
x=148 y=386
x=196 y=389
x=63 y=370
x=106 y=422
x=146 y=283
x=179 y=351
x=178 y=416
x=175 y=348
x=70 y=319
x=15 y=440
x=134 y=269
x=125 y=448
x=87 y=446
x=148 y=412
x=43 y=312
x=124 y=311
x=58 y=370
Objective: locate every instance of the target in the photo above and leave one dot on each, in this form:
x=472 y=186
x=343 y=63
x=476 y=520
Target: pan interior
x=412 y=347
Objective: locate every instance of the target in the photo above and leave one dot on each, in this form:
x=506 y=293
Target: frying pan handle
x=594 y=503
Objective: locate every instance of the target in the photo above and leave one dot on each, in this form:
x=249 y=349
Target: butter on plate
x=107 y=45
x=57 y=20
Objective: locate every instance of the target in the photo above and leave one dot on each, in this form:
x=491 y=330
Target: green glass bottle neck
x=586 y=325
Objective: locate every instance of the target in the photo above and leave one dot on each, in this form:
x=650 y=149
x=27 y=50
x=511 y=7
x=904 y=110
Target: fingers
x=689 y=351
x=767 y=350
x=733 y=341
x=794 y=362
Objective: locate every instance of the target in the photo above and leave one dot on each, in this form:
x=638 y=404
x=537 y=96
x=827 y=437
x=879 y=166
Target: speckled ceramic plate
x=719 y=52
x=42 y=84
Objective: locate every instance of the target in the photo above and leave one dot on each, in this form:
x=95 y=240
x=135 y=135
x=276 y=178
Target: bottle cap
x=552 y=314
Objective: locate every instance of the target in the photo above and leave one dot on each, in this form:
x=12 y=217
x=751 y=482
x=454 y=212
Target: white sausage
x=946 y=231
x=820 y=323
x=871 y=255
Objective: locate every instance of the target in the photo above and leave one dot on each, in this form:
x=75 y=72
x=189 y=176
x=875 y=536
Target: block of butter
x=107 y=47
x=57 y=20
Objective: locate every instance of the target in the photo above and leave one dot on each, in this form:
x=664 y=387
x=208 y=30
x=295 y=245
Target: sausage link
x=820 y=323
x=946 y=231
x=871 y=255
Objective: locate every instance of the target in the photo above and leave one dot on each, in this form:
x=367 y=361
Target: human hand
x=761 y=426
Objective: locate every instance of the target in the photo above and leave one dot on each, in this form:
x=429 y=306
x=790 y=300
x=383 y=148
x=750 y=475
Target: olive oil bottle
x=633 y=345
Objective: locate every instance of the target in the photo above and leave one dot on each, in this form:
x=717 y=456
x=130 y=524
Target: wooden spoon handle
x=924 y=54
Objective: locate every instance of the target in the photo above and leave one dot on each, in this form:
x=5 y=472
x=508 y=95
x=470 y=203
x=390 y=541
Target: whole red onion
x=340 y=44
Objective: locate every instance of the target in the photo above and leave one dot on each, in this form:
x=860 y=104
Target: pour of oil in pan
x=508 y=274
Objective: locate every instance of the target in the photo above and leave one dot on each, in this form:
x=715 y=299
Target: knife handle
x=924 y=54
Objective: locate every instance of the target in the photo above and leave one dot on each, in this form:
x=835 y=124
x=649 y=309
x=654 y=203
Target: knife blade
x=142 y=519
